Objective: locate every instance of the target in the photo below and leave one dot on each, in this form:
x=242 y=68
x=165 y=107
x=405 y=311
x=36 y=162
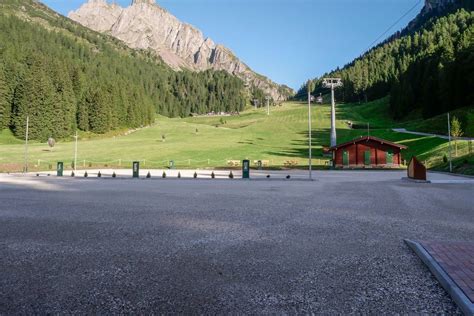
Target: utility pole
x=449 y=138
x=268 y=104
x=26 y=144
x=75 y=153
x=333 y=83
x=310 y=87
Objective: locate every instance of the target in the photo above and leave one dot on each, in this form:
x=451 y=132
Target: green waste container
x=136 y=169
x=246 y=169
x=60 y=169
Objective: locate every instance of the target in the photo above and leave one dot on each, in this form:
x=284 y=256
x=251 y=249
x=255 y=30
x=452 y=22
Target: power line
x=393 y=25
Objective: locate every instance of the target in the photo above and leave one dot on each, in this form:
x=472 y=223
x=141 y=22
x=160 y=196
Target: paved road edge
x=448 y=284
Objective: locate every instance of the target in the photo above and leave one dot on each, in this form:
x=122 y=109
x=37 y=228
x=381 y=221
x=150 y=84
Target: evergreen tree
x=5 y=103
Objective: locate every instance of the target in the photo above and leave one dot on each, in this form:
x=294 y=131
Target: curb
x=452 y=174
x=463 y=302
x=415 y=180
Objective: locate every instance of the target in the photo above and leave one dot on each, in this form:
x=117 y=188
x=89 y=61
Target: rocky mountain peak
x=145 y=25
x=135 y=2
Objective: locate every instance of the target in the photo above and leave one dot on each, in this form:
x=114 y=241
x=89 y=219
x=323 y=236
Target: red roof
x=366 y=139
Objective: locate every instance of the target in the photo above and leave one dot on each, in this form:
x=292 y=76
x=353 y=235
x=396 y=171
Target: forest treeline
x=428 y=69
x=66 y=77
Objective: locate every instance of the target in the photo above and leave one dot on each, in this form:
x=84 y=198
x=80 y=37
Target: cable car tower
x=333 y=83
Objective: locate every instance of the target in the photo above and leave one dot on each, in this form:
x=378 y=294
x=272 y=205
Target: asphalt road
x=202 y=246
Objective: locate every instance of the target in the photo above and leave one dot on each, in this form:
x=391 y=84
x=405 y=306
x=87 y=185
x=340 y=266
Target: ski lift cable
x=393 y=25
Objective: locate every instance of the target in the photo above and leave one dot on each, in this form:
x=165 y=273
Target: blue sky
x=289 y=41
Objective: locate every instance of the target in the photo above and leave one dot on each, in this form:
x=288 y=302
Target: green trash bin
x=136 y=169
x=246 y=169
x=60 y=169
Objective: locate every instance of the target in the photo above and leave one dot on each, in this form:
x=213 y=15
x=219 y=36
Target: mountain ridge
x=145 y=25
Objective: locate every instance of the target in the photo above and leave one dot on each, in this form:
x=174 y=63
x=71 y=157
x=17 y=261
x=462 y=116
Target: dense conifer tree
x=428 y=67
x=64 y=76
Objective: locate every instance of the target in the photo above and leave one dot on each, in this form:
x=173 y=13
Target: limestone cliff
x=145 y=25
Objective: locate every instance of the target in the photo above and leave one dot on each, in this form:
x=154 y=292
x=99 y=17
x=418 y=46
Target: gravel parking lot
x=201 y=246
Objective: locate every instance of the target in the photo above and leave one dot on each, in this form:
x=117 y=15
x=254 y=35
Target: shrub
x=73 y=174
x=148 y=175
x=164 y=175
x=179 y=175
x=445 y=159
x=114 y=175
x=90 y=164
x=231 y=175
x=99 y=175
x=213 y=176
x=86 y=174
x=50 y=166
x=195 y=175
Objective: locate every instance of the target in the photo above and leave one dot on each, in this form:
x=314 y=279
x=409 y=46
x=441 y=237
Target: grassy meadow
x=211 y=142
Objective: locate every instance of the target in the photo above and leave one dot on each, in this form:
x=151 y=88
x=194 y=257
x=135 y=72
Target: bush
x=86 y=174
x=164 y=175
x=445 y=159
x=231 y=175
x=99 y=175
x=213 y=176
x=73 y=174
x=179 y=175
x=195 y=175
x=90 y=164
x=148 y=175
x=114 y=175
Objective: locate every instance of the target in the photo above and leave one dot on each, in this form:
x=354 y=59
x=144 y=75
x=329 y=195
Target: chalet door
x=389 y=155
x=367 y=157
x=345 y=158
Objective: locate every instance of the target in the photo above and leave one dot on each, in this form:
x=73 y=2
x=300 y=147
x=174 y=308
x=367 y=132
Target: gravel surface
x=205 y=247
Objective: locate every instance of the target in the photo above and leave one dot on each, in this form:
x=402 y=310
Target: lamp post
x=26 y=144
x=310 y=88
x=449 y=138
x=75 y=153
x=268 y=104
x=333 y=83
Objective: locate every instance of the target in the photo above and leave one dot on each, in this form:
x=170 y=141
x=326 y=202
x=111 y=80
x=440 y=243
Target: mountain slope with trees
x=428 y=67
x=65 y=76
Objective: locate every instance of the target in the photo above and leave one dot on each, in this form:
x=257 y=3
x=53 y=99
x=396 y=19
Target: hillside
x=65 y=76
x=211 y=142
x=146 y=25
x=428 y=67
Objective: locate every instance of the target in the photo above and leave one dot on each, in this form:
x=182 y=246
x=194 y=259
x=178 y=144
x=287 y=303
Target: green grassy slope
x=203 y=142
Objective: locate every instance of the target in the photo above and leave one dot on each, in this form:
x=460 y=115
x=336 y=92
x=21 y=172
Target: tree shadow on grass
x=299 y=148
